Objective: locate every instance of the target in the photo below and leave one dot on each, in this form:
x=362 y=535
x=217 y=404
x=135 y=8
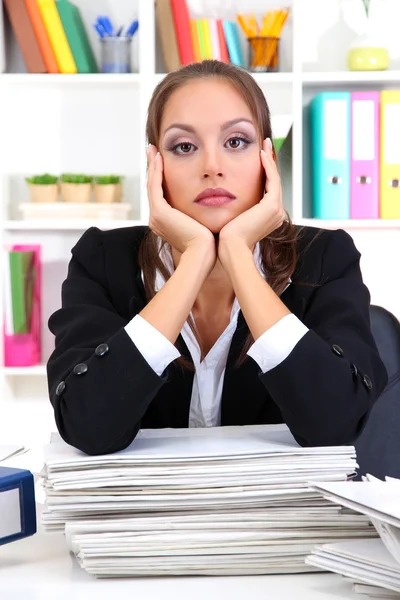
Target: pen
x=105 y=21
x=132 y=28
x=99 y=30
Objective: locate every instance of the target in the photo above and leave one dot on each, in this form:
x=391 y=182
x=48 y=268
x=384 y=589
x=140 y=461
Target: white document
x=211 y=443
x=377 y=500
x=367 y=561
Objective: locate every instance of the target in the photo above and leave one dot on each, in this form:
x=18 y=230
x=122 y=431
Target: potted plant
x=76 y=188
x=43 y=188
x=107 y=188
x=368 y=51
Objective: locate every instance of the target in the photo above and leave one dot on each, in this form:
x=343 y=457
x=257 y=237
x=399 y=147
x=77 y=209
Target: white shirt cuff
x=273 y=346
x=153 y=345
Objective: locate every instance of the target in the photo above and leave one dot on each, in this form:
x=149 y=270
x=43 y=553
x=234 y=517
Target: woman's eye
x=184 y=147
x=238 y=142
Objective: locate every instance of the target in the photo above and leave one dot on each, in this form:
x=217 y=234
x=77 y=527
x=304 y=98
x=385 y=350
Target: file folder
x=17 y=504
x=390 y=155
x=364 y=155
x=330 y=155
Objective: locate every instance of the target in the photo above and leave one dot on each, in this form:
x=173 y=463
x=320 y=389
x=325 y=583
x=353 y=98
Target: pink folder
x=24 y=350
x=364 y=155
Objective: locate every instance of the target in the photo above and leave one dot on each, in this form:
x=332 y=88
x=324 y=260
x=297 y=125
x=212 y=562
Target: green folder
x=77 y=37
x=22 y=282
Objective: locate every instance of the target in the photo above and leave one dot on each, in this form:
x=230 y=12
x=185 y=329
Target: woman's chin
x=216 y=223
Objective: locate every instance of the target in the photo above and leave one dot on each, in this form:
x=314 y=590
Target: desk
x=40 y=568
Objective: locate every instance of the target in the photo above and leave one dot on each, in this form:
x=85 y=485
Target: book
x=180 y=13
x=77 y=37
x=166 y=31
x=42 y=36
x=23 y=30
x=56 y=33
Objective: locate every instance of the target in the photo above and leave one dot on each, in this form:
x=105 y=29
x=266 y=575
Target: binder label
x=363 y=130
x=335 y=130
x=10 y=513
x=392 y=134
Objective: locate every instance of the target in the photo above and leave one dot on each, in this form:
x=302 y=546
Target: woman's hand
x=172 y=225
x=260 y=220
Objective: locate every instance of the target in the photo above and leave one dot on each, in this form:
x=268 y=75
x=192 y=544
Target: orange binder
x=390 y=155
x=195 y=40
x=41 y=36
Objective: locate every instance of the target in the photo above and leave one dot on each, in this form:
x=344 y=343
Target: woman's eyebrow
x=191 y=129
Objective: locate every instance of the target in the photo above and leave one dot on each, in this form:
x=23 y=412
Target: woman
x=222 y=312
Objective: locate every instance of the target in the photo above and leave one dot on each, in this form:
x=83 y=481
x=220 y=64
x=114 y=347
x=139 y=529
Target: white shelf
x=63 y=225
x=346 y=77
x=106 y=79
x=37 y=370
x=351 y=223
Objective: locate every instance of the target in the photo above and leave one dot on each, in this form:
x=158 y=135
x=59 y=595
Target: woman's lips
x=215 y=201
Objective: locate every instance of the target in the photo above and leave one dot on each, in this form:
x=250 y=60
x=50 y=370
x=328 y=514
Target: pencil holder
x=263 y=54
x=116 y=54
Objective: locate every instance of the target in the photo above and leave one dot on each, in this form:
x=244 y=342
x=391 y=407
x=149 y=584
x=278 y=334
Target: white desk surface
x=40 y=568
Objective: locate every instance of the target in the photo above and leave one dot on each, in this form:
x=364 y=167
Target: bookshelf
x=95 y=123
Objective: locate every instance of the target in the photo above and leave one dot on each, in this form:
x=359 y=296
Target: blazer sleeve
x=328 y=384
x=99 y=383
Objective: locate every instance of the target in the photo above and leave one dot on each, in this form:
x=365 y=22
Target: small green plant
x=72 y=178
x=107 y=179
x=45 y=179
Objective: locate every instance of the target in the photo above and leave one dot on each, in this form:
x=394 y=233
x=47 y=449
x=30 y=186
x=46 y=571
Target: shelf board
x=346 y=77
x=37 y=370
x=351 y=223
x=70 y=79
x=74 y=225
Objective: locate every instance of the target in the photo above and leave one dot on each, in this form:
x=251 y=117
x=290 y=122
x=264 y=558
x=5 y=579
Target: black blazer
x=103 y=390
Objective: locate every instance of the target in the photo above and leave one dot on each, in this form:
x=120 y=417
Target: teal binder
x=233 y=43
x=330 y=155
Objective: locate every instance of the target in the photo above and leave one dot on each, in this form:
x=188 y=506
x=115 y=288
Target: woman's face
x=209 y=139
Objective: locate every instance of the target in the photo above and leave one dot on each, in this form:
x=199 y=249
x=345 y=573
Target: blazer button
x=60 y=388
x=337 y=350
x=367 y=382
x=354 y=370
x=80 y=369
x=101 y=350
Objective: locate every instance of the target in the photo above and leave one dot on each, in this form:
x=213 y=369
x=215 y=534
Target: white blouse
x=269 y=350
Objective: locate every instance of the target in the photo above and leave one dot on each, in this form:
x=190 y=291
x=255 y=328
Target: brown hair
x=278 y=250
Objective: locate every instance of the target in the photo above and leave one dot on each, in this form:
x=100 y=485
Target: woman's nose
x=212 y=164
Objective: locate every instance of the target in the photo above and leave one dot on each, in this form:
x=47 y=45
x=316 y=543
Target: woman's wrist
x=202 y=252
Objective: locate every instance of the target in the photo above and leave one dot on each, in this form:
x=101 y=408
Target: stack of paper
x=375 y=562
x=229 y=500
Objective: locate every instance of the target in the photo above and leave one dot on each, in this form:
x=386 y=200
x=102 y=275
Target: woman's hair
x=278 y=250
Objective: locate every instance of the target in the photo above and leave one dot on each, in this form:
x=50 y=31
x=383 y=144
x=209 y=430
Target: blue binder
x=330 y=155
x=17 y=504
